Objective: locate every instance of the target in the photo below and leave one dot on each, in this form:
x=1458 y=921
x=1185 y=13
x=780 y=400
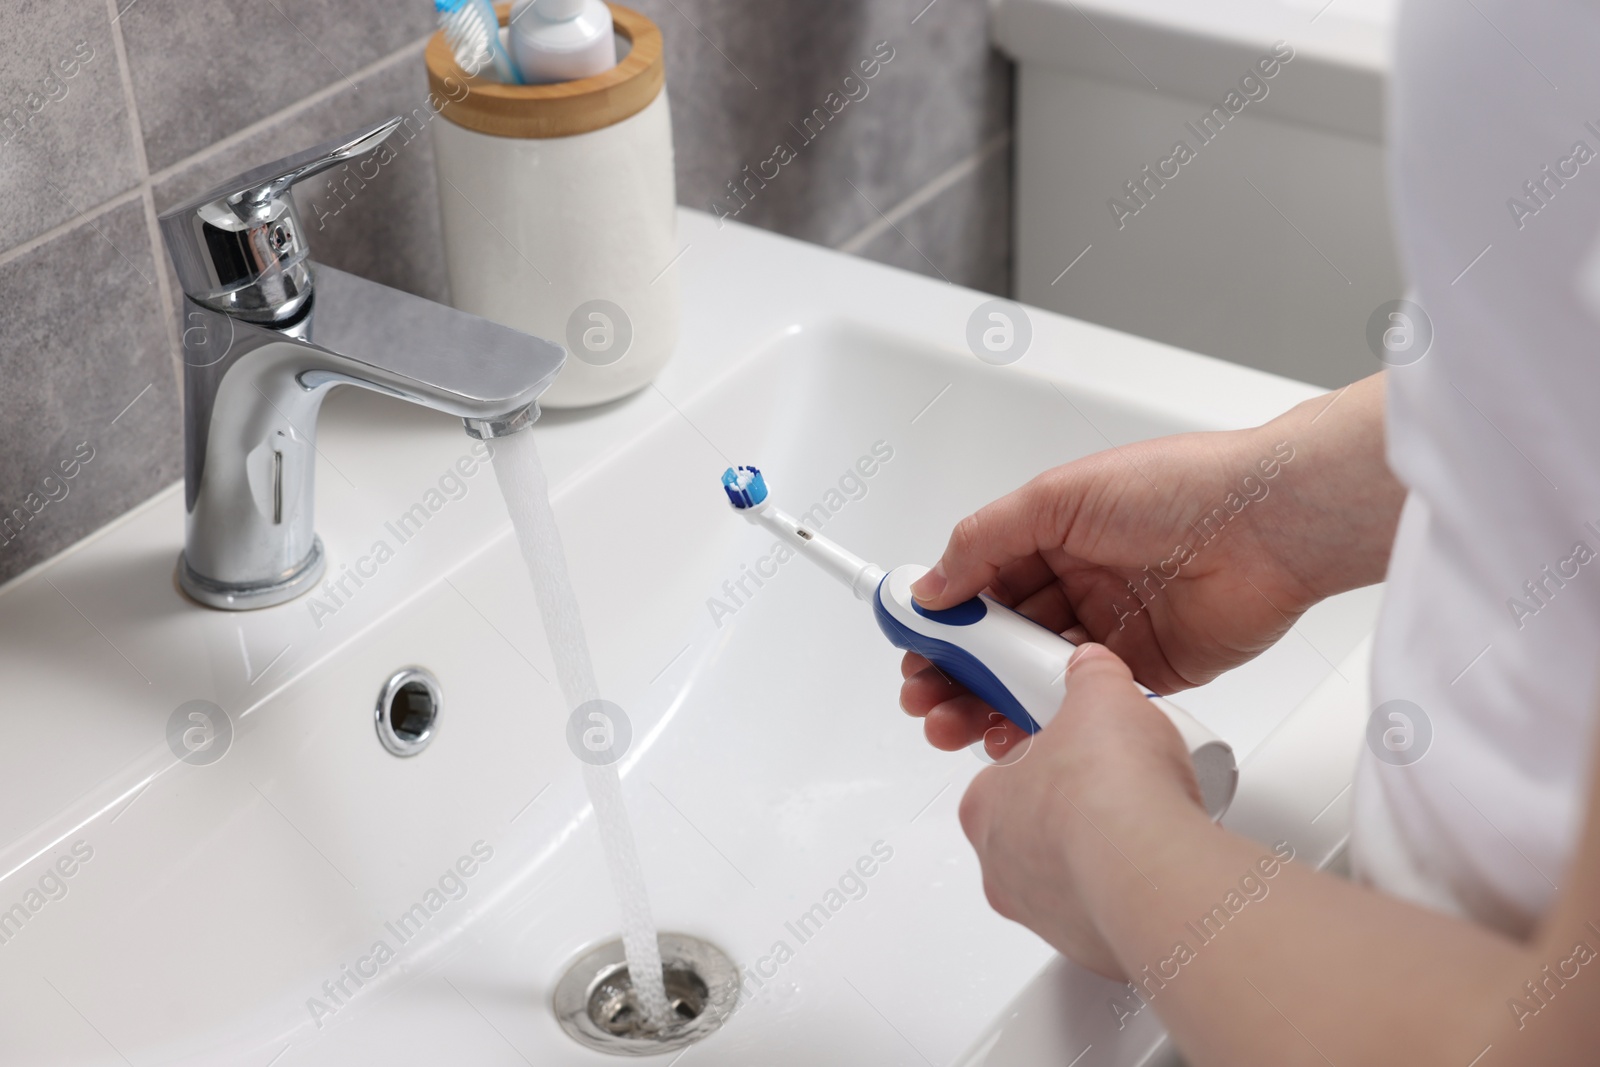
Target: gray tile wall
x=113 y=110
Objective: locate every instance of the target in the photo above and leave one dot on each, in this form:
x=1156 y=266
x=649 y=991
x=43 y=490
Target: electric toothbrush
x=1006 y=659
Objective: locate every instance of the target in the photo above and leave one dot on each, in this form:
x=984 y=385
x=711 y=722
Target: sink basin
x=233 y=911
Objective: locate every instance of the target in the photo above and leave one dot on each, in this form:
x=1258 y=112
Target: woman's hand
x=1096 y=841
x=1184 y=555
x=1108 y=764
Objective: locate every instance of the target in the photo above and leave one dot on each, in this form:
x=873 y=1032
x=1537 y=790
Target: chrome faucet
x=266 y=335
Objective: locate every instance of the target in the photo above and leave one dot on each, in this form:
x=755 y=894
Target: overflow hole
x=408 y=711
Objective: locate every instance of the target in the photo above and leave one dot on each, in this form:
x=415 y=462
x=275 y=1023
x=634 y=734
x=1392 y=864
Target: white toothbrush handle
x=1019 y=668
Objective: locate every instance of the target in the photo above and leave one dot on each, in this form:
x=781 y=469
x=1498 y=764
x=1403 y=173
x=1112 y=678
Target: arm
x=1095 y=839
x=1346 y=499
x=1095 y=842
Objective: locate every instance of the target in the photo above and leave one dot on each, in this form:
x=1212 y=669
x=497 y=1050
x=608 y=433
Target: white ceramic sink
x=769 y=754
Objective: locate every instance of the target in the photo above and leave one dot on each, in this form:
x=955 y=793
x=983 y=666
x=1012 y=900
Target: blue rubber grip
x=955 y=661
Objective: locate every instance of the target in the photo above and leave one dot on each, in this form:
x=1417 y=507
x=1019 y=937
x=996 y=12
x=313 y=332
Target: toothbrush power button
x=963 y=614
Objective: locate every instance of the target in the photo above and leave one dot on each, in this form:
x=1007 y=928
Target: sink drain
x=595 y=1002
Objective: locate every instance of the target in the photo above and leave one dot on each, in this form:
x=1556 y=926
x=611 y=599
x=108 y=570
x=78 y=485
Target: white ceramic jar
x=558 y=208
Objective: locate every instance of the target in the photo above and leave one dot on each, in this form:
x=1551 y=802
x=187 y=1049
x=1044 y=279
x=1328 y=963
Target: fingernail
x=1082 y=652
x=931 y=584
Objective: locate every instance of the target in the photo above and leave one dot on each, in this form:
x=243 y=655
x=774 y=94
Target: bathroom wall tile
x=65 y=141
x=83 y=339
x=386 y=229
x=962 y=235
x=202 y=71
x=743 y=79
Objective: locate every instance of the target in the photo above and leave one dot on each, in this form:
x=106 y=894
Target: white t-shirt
x=1491 y=624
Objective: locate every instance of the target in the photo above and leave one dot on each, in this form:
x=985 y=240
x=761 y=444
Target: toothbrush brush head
x=745 y=487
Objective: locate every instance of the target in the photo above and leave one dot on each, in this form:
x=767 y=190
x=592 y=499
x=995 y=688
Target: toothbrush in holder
x=1011 y=662
x=472 y=30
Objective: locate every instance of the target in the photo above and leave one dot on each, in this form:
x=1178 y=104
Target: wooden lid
x=558 y=110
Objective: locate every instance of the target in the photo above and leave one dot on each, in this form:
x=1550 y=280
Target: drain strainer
x=595 y=1002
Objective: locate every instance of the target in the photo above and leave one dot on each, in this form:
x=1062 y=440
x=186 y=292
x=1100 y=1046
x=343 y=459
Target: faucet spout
x=267 y=333
x=252 y=395
x=380 y=338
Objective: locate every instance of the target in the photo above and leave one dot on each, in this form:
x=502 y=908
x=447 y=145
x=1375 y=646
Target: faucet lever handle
x=257 y=188
x=239 y=248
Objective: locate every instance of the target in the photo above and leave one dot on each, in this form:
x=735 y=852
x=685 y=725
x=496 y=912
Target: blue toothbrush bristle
x=471 y=29
x=745 y=486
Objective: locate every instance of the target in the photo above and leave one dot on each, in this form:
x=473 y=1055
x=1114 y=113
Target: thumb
x=1098 y=683
x=1095 y=667
x=1018 y=525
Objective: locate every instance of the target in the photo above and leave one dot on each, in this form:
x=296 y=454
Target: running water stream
x=527 y=492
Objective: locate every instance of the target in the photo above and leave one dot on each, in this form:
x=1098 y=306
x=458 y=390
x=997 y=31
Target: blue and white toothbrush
x=1011 y=662
x=472 y=30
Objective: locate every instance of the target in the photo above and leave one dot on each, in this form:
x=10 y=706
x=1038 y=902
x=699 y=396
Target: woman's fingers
x=911 y=663
x=1049 y=608
x=954 y=718
x=926 y=690
x=1021 y=578
x=959 y=722
x=1018 y=525
x=1003 y=739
